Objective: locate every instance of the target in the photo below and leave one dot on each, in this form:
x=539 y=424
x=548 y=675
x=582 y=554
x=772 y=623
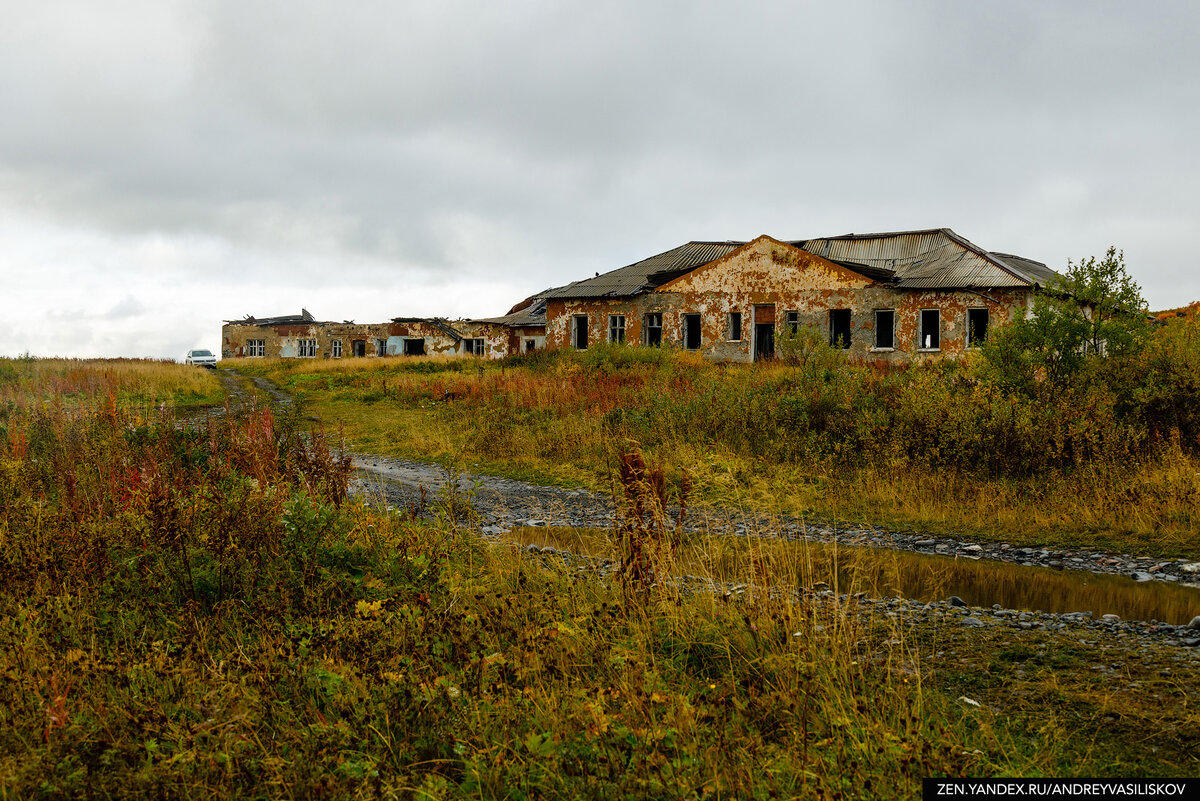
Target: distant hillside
x=1189 y=311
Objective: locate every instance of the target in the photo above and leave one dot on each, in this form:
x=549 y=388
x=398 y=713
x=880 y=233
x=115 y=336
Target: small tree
x=804 y=346
x=1094 y=309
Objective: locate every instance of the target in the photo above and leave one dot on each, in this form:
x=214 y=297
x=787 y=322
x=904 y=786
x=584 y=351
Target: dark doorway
x=764 y=341
x=764 y=332
x=358 y=348
x=691 y=331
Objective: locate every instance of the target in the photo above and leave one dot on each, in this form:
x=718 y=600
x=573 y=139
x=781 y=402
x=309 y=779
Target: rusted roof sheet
x=439 y=323
x=305 y=316
x=532 y=316
x=644 y=275
x=933 y=259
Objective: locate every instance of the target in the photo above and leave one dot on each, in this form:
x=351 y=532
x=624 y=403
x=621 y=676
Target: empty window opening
x=579 y=331
x=885 y=329
x=735 y=326
x=839 y=328
x=931 y=329
x=977 y=327
x=530 y=345
x=335 y=348
x=473 y=346
x=653 y=326
x=358 y=348
x=691 y=331
x=793 y=322
x=306 y=348
x=381 y=347
x=616 y=328
x=414 y=346
x=256 y=347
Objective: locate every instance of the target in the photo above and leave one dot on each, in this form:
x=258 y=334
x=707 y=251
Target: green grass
x=935 y=449
x=203 y=612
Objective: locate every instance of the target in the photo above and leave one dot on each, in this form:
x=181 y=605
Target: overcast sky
x=169 y=164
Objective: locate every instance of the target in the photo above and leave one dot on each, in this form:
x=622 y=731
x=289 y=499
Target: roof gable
x=767 y=265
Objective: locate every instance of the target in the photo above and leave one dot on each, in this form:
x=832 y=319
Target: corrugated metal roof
x=936 y=258
x=933 y=259
x=648 y=273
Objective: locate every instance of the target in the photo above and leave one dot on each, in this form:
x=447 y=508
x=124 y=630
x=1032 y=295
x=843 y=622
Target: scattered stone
x=535 y=522
x=1195 y=624
x=954 y=600
x=1193 y=567
x=1111 y=618
x=973 y=548
x=968 y=701
x=924 y=543
x=1141 y=575
x=973 y=622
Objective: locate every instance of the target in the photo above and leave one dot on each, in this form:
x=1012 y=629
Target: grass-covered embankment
x=202 y=612
x=1107 y=459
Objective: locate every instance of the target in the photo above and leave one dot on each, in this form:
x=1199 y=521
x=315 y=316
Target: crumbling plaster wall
x=282 y=341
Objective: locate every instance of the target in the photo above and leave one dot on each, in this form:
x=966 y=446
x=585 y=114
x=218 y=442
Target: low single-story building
x=892 y=296
x=895 y=296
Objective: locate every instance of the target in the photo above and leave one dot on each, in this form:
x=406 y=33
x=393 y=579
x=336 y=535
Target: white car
x=204 y=358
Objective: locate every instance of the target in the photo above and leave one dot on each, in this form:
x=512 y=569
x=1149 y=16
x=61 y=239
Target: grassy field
x=1108 y=462
x=203 y=612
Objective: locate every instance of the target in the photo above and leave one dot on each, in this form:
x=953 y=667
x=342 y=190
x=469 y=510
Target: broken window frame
x=473 y=346
x=652 y=329
x=934 y=337
x=890 y=343
x=616 y=329
x=411 y=344
x=579 y=331
x=845 y=321
x=972 y=340
x=306 y=348
x=381 y=347
x=792 y=321
x=735 y=327
x=688 y=320
x=335 y=348
x=256 y=347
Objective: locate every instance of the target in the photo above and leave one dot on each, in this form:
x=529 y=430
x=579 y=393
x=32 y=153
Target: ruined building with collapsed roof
x=891 y=297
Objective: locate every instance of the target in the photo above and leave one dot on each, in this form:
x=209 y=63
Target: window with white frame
x=885 y=329
x=616 y=328
x=306 y=348
x=977 y=327
x=735 y=326
x=652 y=327
x=256 y=347
x=930 y=333
x=335 y=348
x=473 y=346
x=793 y=321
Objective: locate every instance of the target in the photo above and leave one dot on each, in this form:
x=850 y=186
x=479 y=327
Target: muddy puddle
x=880 y=572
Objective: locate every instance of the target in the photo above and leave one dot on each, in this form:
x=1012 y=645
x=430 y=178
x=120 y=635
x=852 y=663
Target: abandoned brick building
x=894 y=296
